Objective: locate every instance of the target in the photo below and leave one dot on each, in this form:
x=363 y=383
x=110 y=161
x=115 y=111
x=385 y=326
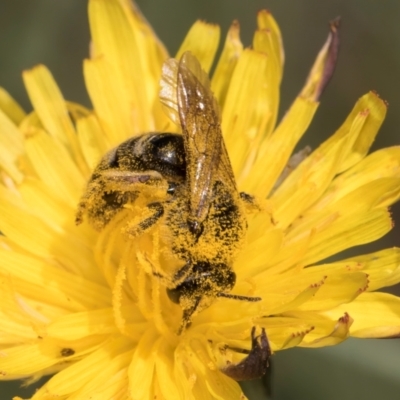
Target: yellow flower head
x=89 y=303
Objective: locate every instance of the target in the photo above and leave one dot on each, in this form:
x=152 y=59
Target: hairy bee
x=202 y=211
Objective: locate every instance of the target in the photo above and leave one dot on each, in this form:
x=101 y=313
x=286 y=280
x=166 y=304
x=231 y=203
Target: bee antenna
x=239 y=297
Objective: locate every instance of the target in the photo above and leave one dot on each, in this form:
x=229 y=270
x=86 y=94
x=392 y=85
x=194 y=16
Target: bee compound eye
x=174 y=295
x=167 y=153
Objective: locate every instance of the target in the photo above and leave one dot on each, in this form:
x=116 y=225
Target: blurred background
x=56 y=33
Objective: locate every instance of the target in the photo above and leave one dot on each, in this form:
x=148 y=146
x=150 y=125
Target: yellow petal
x=11 y=147
x=373 y=109
x=284 y=331
x=183 y=373
x=287 y=293
x=202 y=41
x=312 y=289
x=384 y=163
x=308 y=187
x=28 y=359
x=107 y=384
x=267 y=39
x=239 y=311
x=47 y=242
x=265 y=21
x=142 y=366
x=114 y=40
x=197 y=369
x=13 y=332
x=46 y=278
x=76 y=376
x=376 y=194
x=165 y=371
x=263 y=43
x=327 y=161
x=15 y=219
x=10 y=107
x=14 y=323
x=306 y=329
x=79 y=325
x=348 y=232
x=340 y=332
x=382 y=267
x=227 y=63
x=277 y=149
x=11 y=137
x=222 y=387
x=55 y=167
x=376 y=315
x=92 y=139
x=40 y=200
x=251 y=260
x=151 y=51
x=363 y=199
x=290 y=256
x=364 y=122
x=247 y=108
x=338 y=289
x=118 y=116
x=51 y=108
x=302 y=295
x=152 y=54
x=111 y=382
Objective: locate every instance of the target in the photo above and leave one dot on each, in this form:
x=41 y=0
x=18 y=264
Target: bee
x=202 y=211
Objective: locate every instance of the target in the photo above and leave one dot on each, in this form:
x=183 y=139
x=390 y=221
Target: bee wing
x=168 y=89
x=206 y=156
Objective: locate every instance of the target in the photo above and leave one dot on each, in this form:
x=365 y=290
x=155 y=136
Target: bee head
x=201 y=286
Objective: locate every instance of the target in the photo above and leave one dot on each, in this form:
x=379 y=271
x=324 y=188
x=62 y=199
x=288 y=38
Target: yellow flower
x=82 y=304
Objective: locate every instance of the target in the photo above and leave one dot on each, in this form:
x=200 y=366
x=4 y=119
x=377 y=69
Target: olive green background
x=55 y=33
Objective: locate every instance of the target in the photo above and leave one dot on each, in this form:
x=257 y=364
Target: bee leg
x=137 y=229
x=255 y=365
x=187 y=315
x=182 y=273
x=128 y=180
x=174 y=287
x=250 y=202
x=247 y=198
x=108 y=191
x=253 y=205
x=89 y=196
x=173 y=283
